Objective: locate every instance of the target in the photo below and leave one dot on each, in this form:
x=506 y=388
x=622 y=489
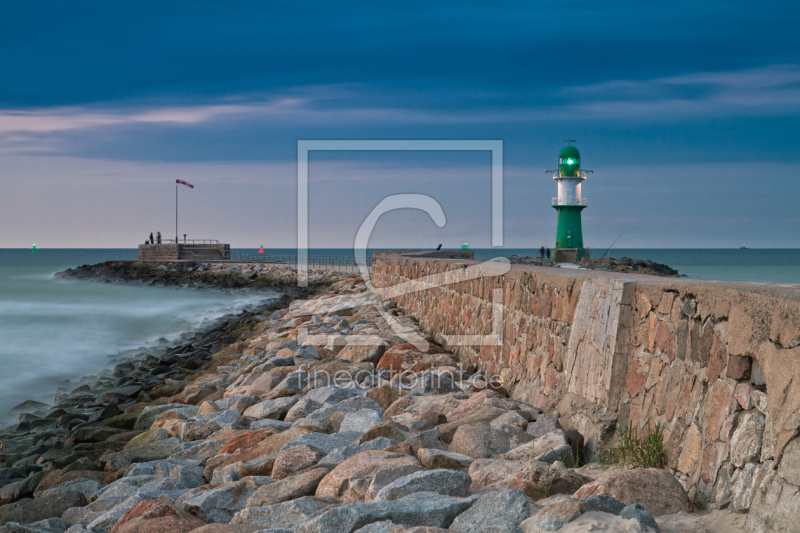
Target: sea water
x=55 y=331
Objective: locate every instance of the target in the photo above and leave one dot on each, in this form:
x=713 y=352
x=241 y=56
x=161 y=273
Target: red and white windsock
x=185 y=183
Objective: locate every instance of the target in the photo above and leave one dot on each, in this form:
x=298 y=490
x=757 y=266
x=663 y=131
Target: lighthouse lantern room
x=569 y=203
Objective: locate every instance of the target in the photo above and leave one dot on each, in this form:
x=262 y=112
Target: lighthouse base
x=568 y=255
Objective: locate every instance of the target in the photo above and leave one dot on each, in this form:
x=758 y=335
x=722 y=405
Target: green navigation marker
x=569 y=204
x=34 y=249
x=465 y=246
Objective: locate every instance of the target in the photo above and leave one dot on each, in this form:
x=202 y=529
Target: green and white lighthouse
x=569 y=204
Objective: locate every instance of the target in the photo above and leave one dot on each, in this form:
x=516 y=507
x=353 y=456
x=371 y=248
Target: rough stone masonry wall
x=718 y=366
x=160 y=252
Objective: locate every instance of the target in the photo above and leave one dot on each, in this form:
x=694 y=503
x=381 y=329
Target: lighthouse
x=569 y=203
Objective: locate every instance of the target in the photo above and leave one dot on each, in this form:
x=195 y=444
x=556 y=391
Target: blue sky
x=688 y=112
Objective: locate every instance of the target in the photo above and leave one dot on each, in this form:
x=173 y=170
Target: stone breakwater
x=327 y=415
x=202 y=275
x=716 y=364
x=626 y=265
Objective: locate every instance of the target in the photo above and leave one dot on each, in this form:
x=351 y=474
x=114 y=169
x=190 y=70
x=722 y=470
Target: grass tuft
x=637 y=450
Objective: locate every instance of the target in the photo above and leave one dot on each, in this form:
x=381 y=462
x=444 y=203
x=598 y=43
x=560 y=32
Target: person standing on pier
x=151 y=238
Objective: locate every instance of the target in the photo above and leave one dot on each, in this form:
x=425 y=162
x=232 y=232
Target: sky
x=687 y=112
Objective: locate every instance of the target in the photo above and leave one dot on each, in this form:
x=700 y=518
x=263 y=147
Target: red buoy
x=261 y=250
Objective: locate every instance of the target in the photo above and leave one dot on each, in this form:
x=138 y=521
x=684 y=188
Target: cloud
x=344 y=110
x=764 y=90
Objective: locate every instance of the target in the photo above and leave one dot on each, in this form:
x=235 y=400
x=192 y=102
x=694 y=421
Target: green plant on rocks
x=637 y=449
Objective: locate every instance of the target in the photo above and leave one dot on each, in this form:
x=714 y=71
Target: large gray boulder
x=422 y=509
x=219 y=504
x=45 y=507
x=441 y=481
x=495 y=511
x=324 y=441
x=360 y=421
x=281 y=515
x=275 y=409
x=339 y=455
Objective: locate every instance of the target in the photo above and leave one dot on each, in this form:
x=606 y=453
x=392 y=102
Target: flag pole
x=176 y=212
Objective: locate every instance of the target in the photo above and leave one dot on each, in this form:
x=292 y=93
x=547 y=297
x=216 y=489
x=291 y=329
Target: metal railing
x=574 y=201
x=192 y=241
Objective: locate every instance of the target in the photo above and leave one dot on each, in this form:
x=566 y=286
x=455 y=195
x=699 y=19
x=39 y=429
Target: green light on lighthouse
x=569 y=203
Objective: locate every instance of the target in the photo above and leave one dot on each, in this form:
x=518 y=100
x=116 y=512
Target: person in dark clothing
x=541 y=252
x=548 y=253
x=158 y=237
x=438 y=247
x=151 y=238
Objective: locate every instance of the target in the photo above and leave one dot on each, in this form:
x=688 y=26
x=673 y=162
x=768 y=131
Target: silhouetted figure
x=548 y=253
x=151 y=238
x=541 y=252
x=438 y=247
x=158 y=237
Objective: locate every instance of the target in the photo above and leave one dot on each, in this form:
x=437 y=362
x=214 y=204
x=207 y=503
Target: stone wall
x=187 y=252
x=716 y=364
x=160 y=252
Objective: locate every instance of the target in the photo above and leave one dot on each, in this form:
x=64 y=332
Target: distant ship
x=744 y=247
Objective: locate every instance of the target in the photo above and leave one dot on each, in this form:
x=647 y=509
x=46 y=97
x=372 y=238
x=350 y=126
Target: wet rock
x=50 y=525
x=87 y=487
x=56 y=478
x=52 y=506
x=151 y=435
x=21 y=489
